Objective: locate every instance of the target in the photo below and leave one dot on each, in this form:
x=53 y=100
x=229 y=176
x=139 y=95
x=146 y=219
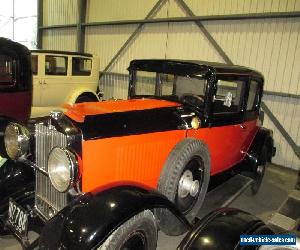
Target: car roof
x=61 y=52
x=193 y=67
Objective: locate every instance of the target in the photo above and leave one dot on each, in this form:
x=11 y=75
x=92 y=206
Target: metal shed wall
x=271 y=46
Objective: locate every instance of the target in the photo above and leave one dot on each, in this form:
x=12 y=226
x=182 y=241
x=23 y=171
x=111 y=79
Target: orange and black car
x=183 y=122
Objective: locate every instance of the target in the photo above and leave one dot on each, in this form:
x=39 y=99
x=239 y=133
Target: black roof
x=62 y=52
x=191 y=67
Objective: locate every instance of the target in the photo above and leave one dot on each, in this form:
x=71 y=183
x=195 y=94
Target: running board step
x=224 y=194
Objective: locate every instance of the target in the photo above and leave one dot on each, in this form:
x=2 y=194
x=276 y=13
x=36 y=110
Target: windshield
x=168 y=85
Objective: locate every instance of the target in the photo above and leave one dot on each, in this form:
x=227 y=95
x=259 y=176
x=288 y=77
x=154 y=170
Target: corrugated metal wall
x=271 y=46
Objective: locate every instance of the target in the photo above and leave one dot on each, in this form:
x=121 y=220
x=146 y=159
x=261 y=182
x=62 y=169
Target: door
x=225 y=132
x=55 y=83
x=251 y=114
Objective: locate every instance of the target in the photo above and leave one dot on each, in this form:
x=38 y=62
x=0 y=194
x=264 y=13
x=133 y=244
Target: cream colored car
x=62 y=78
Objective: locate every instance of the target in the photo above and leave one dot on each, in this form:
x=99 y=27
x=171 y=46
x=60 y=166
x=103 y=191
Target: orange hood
x=79 y=111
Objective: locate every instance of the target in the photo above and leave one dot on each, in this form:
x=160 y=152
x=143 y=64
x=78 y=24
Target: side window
x=253 y=97
x=56 y=65
x=7 y=71
x=228 y=97
x=81 y=66
x=34 y=64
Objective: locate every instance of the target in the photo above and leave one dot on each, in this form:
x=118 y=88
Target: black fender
x=17 y=182
x=263 y=137
x=221 y=230
x=89 y=219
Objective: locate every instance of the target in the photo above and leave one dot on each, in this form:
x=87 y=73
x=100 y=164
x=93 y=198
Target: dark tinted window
x=81 y=66
x=7 y=71
x=56 y=65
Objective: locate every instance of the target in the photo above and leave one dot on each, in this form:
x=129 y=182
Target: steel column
x=39 y=24
x=80 y=33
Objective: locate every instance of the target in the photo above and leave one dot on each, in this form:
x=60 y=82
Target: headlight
x=16 y=141
x=62 y=168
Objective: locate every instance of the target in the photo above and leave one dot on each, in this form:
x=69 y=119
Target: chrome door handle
x=243 y=126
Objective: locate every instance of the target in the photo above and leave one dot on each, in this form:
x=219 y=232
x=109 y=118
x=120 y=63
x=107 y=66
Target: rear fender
x=263 y=137
x=87 y=221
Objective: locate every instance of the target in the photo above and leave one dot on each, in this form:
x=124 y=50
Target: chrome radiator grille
x=48 y=200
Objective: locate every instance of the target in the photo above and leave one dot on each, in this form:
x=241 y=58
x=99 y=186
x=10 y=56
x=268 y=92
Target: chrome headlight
x=62 y=168
x=16 y=141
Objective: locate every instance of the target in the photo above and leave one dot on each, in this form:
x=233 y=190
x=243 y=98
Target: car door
x=55 y=87
x=225 y=131
x=251 y=112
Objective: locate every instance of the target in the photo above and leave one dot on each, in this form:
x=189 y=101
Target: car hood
x=78 y=112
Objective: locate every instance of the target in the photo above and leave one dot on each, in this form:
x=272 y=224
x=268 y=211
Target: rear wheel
x=184 y=181
x=259 y=170
x=138 y=233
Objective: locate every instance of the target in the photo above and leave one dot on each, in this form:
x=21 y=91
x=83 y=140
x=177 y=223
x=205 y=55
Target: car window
x=253 y=96
x=56 y=65
x=34 y=64
x=190 y=85
x=228 y=97
x=167 y=83
x=81 y=66
x=145 y=83
x=7 y=71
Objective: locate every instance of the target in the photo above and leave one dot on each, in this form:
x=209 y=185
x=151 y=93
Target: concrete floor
x=278 y=182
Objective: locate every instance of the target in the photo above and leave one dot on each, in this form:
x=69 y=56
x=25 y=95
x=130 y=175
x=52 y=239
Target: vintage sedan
x=184 y=121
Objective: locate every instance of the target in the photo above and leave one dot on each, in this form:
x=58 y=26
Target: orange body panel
x=226 y=143
x=78 y=111
x=134 y=158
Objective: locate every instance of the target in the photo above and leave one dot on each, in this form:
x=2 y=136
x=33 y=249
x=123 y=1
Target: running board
x=224 y=194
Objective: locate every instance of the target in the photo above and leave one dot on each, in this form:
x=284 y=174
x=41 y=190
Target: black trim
x=62 y=52
x=99 y=213
x=131 y=123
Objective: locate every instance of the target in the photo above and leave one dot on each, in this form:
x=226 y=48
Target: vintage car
x=15 y=81
x=15 y=84
x=61 y=77
x=184 y=121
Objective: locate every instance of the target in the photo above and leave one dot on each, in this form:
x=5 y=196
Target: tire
x=259 y=170
x=138 y=233
x=86 y=98
x=189 y=162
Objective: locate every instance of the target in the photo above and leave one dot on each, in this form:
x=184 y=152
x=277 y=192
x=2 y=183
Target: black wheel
x=259 y=170
x=86 y=98
x=184 y=181
x=138 y=233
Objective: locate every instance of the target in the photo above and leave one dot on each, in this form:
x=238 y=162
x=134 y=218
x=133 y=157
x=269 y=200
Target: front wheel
x=138 y=233
x=184 y=181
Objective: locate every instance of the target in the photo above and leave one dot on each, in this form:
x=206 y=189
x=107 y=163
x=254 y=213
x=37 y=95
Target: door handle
x=243 y=126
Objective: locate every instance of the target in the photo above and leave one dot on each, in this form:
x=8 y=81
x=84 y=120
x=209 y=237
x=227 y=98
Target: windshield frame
x=158 y=86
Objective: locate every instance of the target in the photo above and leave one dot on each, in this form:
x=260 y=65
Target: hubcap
x=187 y=185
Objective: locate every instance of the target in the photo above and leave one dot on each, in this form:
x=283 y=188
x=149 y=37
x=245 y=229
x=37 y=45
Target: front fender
x=17 y=182
x=87 y=221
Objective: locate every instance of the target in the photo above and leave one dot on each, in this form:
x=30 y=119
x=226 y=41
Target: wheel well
x=89 y=95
